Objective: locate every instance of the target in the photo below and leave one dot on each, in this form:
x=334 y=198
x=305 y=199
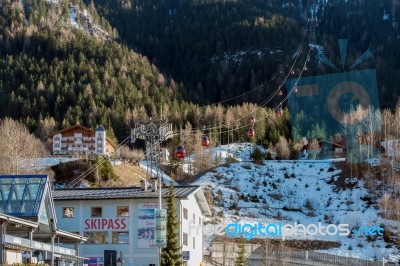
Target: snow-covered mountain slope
x=306 y=192
x=223 y=153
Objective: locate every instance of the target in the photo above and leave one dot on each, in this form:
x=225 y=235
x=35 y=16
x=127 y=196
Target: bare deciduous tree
x=384 y=204
x=130 y=155
x=282 y=148
x=18 y=148
x=314 y=149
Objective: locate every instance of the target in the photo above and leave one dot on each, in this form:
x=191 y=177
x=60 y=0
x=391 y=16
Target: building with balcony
x=82 y=141
x=28 y=223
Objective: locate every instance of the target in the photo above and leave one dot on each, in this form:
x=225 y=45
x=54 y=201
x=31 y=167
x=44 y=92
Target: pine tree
x=241 y=259
x=171 y=255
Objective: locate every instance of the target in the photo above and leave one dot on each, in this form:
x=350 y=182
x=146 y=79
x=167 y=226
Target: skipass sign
x=100 y=224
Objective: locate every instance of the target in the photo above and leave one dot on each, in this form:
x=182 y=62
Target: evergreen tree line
x=212 y=46
x=217 y=49
x=52 y=76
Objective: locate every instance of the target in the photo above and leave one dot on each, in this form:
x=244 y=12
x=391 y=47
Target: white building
x=81 y=140
x=121 y=220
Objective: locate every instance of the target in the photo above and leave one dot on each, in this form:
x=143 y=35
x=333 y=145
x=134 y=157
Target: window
x=97 y=211
x=120 y=237
x=68 y=212
x=96 y=237
x=185 y=213
x=123 y=211
x=194 y=242
x=185 y=239
x=199 y=220
x=194 y=218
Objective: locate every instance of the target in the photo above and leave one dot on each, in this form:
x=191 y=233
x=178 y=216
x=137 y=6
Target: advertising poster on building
x=146 y=225
x=161 y=228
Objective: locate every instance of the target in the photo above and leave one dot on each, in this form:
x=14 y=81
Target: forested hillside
x=53 y=75
x=49 y=70
x=219 y=49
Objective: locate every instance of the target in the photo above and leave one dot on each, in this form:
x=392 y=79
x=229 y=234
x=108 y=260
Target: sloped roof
x=76 y=126
x=99 y=128
x=119 y=193
x=131 y=193
x=28 y=197
x=22 y=195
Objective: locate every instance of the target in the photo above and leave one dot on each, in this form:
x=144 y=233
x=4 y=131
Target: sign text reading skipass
x=94 y=224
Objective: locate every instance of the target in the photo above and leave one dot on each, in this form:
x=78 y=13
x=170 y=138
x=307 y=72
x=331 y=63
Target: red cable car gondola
x=280 y=93
x=205 y=142
x=180 y=152
x=292 y=72
x=250 y=133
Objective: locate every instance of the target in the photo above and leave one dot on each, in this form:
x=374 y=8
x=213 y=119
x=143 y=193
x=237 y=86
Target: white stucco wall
x=132 y=254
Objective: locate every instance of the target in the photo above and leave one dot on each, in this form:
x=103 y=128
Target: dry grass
x=129 y=175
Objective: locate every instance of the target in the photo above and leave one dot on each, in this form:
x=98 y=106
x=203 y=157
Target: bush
x=231 y=159
x=286 y=175
x=234 y=206
x=257 y=156
x=309 y=205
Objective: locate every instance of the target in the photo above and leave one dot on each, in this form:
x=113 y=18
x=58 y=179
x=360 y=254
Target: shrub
x=309 y=205
x=257 y=156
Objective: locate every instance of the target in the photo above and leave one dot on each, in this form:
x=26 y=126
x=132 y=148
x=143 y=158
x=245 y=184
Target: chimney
x=143 y=185
x=154 y=182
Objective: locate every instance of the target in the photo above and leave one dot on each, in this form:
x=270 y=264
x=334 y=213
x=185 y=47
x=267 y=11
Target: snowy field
x=306 y=192
x=238 y=151
x=156 y=171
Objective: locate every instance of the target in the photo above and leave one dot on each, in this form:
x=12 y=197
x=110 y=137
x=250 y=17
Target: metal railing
x=259 y=255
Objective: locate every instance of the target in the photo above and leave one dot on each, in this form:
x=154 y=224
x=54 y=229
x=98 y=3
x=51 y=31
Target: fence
x=224 y=254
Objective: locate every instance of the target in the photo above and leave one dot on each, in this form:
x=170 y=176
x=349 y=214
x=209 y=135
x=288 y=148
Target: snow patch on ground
x=155 y=171
x=306 y=192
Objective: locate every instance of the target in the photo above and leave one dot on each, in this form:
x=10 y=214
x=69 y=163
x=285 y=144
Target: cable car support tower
x=153 y=132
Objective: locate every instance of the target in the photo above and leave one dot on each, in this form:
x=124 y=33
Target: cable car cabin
x=251 y=133
x=180 y=152
x=252 y=120
x=205 y=142
x=296 y=90
x=280 y=93
x=292 y=72
x=279 y=111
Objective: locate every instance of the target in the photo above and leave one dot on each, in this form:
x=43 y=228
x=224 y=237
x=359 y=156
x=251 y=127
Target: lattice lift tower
x=153 y=132
x=313 y=37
